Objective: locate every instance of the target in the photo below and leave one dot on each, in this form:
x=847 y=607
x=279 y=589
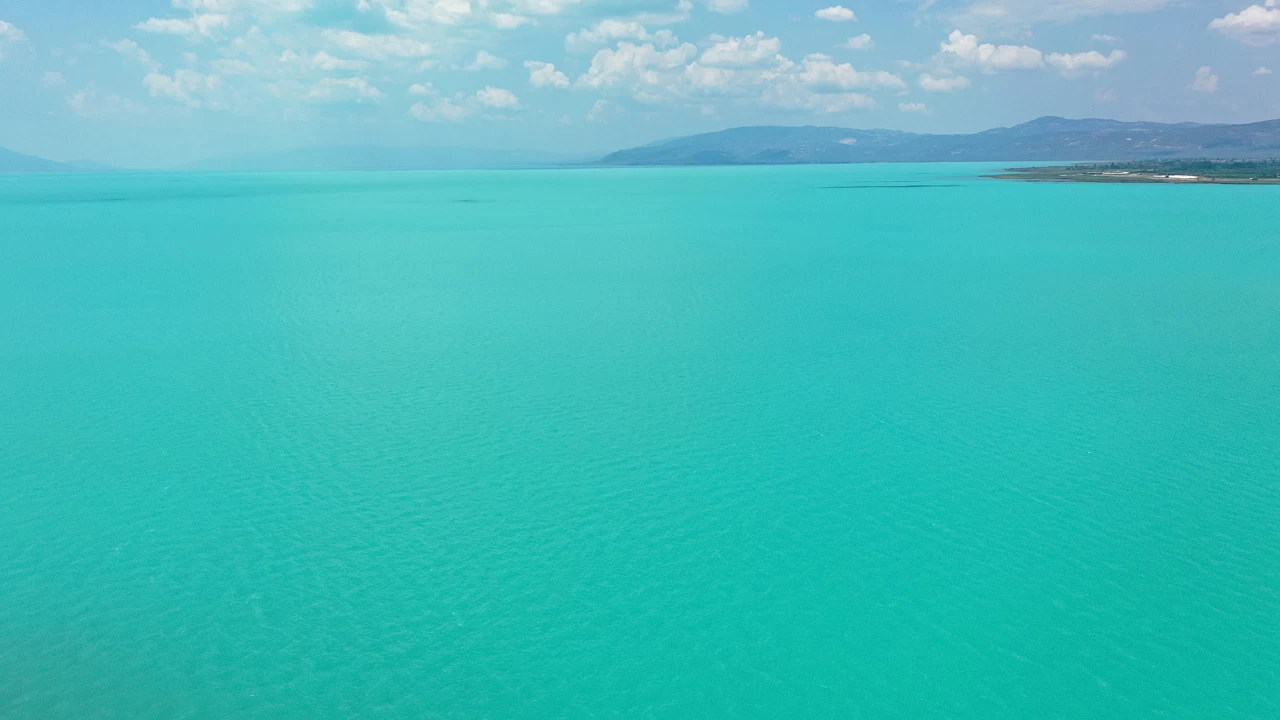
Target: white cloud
x=508 y=21
x=1092 y=61
x=823 y=102
x=608 y=30
x=498 y=99
x=1105 y=96
x=741 y=52
x=1027 y=12
x=445 y=110
x=633 y=63
x=486 y=61
x=232 y=66
x=861 y=42
x=415 y=14
x=819 y=71
x=543 y=75
x=913 y=107
x=598 y=111
x=727 y=7
x=992 y=58
x=259 y=9
x=1205 y=81
x=10 y=35
x=184 y=85
x=9 y=31
x=1262 y=71
x=377 y=47
x=131 y=51
x=205 y=24
x=752 y=70
x=1109 y=39
x=836 y=13
x=53 y=79
x=543 y=7
x=338 y=90
x=460 y=106
x=328 y=63
x=422 y=89
x=87 y=102
x=1255 y=25
x=943 y=84
x=209 y=18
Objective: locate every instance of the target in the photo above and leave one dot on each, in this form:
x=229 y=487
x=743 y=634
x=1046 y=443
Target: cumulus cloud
x=88 y=103
x=184 y=85
x=233 y=66
x=749 y=69
x=10 y=35
x=727 y=7
x=442 y=111
x=205 y=24
x=328 y=63
x=861 y=42
x=422 y=89
x=130 y=50
x=544 y=75
x=377 y=47
x=930 y=83
x=1262 y=71
x=598 y=111
x=611 y=29
x=991 y=58
x=509 y=21
x=461 y=106
x=543 y=7
x=338 y=90
x=785 y=96
x=1027 y=12
x=498 y=98
x=415 y=14
x=913 y=107
x=1092 y=61
x=1205 y=81
x=486 y=61
x=1255 y=25
x=633 y=63
x=819 y=71
x=836 y=13
x=741 y=52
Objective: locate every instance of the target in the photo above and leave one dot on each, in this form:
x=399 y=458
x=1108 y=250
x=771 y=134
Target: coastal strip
x=1183 y=172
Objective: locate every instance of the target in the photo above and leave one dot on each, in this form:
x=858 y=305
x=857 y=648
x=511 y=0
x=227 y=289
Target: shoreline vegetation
x=1214 y=172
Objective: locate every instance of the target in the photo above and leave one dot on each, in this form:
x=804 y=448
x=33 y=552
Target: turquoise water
x=846 y=442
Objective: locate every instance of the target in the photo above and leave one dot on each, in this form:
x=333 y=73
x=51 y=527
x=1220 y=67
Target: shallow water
x=638 y=443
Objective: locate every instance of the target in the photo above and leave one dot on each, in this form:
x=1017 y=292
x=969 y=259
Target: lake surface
x=828 y=442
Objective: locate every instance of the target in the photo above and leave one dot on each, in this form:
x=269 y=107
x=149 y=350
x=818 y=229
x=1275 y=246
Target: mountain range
x=12 y=162
x=1048 y=139
x=1045 y=139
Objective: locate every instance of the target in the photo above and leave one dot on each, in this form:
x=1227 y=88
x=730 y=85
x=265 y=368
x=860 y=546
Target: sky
x=160 y=83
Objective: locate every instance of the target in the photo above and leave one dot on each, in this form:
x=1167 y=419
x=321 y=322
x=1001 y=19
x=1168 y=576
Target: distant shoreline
x=1166 y=172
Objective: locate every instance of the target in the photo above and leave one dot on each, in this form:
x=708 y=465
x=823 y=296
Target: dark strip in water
x=908 y=186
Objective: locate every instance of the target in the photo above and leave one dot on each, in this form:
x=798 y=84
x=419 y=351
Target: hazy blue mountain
x=1048 y=138
x=91 y=166
x=12 y=162
x=385 y=158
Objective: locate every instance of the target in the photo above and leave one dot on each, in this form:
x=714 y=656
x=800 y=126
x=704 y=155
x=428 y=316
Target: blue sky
x=161 y=82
